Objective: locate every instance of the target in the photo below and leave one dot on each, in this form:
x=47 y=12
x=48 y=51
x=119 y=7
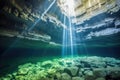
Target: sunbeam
x=59 y=39
x=64 y=41
x=42 y=16
x=69 y=38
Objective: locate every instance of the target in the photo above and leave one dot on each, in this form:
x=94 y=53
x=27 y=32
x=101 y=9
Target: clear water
x=22 y=59
x=15 y=52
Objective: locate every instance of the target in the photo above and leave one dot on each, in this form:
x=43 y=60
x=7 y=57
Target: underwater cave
x=59 y=39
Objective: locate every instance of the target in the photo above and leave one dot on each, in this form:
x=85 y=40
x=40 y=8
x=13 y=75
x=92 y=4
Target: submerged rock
x=47 y=63
x=88 y=72
x=89 y=77
x=99 y=72
x=24 y=69
x=73 y=71
x=77 y=78
x=65 y=76
x=58 y=76
x=66 y=70
x=100 y=79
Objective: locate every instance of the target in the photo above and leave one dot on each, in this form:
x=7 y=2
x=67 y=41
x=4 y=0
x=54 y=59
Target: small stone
x=58 y=76
x=9 y=76
x=47 y=63
x=23 y=71
x=61 y=63
x=14 y=74
x=78 y=64
x=51 y=71
x=88 y=72
x=115 y=74
x=77 y=78
x=88 y=77
x=19 y=78
x=72 y=70
x=85 y=64
x=61 y=69
x=65 y=76
x=80 y=73
x=100 y=79
x=5 y=78
x=51 y=79
x=99 y=72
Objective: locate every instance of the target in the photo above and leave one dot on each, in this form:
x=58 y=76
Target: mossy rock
x=47 y=64
x=65 y=76
x=73 y=71
x=77 y=78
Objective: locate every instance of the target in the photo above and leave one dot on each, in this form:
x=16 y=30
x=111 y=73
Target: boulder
x=58 y=76
x=47 y=63
x=20 y=78
x=51 y=71
x=65 y=76
x=99 y=72
x=80 y=73
x=100 y=78
x=88 y=77
x=73 y=71
x=88 y=72
x=23 y=71
x=85 y=64
x=77 y=78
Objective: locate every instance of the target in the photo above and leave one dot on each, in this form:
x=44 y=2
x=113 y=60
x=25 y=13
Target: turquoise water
x=44 y=50
x=25 y=51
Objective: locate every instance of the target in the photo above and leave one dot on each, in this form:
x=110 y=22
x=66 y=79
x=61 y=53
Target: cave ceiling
x=91 y=18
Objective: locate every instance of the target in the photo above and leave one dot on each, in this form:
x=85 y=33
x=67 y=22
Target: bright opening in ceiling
x=67 y=7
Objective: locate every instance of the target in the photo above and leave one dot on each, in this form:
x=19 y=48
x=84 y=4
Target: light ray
x=64 y=40
x=68 y=34
x=71 y=10
x=43 y=14
x=48 y=9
